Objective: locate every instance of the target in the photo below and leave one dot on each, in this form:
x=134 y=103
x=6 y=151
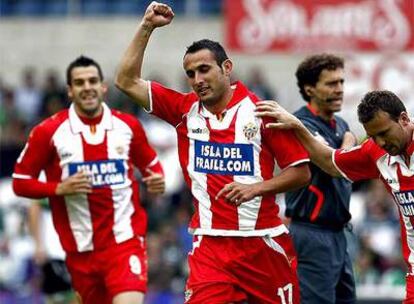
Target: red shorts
x=235 y=269
x=409 y=298
x=98 y=276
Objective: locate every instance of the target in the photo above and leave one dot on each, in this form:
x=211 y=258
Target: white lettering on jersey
x=101 y=173
x=406 y=201
x=219 y=158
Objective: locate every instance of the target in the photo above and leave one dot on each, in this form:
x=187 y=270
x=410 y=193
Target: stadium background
x=38 y=39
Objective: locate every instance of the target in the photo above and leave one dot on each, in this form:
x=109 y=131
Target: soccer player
x=241 y=250
x=388 y=155
x=88 y=153
x=320 y=211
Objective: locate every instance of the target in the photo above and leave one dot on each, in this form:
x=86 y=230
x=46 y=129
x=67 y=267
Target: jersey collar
x=312 y=110
x=240 y=92
x=315 y=112
x=78 y=126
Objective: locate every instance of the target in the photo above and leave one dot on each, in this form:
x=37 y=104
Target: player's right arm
x=320 y=153
x=34 y=158
x=128 y=78
x=77 y=183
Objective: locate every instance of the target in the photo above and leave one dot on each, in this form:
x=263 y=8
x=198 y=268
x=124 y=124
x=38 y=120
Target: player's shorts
x=409 y=298
x=238 y=269
x=98 y=276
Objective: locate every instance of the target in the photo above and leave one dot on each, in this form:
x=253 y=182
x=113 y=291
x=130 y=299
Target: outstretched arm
x=128 y=78
x=320 y=154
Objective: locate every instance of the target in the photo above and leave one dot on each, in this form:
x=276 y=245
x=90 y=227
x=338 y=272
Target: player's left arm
x=29 y=164
x=289 y=179
x=146 y=160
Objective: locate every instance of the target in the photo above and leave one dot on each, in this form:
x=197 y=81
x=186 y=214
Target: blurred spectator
x=12 y=133
x=9 y=115
x=166 y=265
x=118 y=100
x=366 y=268
x=49 y=255
x=16 y=248
x=379 y=259
x=53 y=95
x=183 y=215
x=380 y=227
x=395 y=274
x=28 y=96
x=257 y=83
x=2 y=89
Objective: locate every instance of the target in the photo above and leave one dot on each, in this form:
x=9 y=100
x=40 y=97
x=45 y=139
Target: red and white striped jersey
x=215 y=151
x=369 y=161
x=63 y=145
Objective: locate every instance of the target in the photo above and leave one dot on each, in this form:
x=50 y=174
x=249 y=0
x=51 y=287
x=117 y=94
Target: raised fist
x=157 y=15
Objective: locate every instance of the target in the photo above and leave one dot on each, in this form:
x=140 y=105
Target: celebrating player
x=241 y=250
x=88 y=154
x=387 y=155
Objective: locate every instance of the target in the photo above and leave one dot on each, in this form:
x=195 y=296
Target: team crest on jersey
x=250 y=130
x=120 y=150
x=187 y=295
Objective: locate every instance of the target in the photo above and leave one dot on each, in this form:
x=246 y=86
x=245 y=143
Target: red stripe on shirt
x=101 y=205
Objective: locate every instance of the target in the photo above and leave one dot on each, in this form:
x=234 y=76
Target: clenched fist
x=157 y=15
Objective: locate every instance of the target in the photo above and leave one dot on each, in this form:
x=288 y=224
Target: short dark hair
x=310 y=69
x=375 y=101
x=213 y=46
x=82 y=61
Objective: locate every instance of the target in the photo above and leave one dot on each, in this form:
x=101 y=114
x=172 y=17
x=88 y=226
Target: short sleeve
x=142 y=154
x=285 y=147
x=35 y=155
x=356 y=163
x=167 y=104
